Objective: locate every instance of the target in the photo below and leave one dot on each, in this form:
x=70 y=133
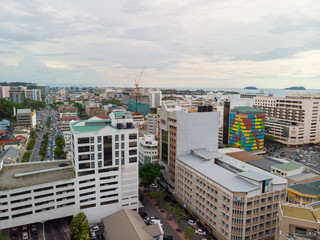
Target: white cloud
x=205 y=43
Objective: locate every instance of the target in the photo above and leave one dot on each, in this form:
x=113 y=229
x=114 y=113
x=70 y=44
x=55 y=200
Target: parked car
x=92 y=227
x=192 y=223
x=200 y=232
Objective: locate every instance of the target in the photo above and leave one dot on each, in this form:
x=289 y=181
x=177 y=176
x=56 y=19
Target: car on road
x=151 y=218
x=200 y=232
x=192 y=223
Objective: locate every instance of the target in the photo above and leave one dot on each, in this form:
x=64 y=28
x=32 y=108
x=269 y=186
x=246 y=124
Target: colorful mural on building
x=246 y=131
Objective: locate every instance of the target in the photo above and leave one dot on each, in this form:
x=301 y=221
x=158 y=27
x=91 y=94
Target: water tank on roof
x=205 y=108
x=200 y=108
x=129 y=125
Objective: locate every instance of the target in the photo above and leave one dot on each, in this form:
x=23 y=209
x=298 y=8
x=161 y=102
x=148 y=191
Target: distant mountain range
x=251 y=88
x=295 y=88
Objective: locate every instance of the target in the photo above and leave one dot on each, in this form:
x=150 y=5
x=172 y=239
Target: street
x=57 y=229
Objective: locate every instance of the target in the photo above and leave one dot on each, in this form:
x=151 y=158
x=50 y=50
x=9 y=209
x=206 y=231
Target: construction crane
x=136 y=83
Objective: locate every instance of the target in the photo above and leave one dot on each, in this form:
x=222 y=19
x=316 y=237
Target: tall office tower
x=182 y=129
x=232 y=199
x=246 y=129
x=155 y=98
x=33 y=94
x=16 y=94
x=105 y=165
x=292 y=120
x=4 y=91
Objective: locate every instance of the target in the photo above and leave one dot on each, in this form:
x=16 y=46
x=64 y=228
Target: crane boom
x=136 y=83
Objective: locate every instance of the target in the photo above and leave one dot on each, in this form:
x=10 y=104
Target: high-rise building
x=4 y=91
x=16 y=94
x=232 y=199
x=33 y=94
x=292 y=120
x=181 y=129
x=246 y=128
x=152 y=123
x=155 y=98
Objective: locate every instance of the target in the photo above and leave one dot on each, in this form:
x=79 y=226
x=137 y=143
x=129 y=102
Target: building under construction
x=142 y=106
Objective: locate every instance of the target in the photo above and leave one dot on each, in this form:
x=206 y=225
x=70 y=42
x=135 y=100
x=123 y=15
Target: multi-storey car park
x=293 y=120
x=233 y=199
x=101 y=179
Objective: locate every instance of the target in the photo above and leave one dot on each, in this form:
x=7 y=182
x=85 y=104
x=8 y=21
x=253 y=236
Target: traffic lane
x=54 y=231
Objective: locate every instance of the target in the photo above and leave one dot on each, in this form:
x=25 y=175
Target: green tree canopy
x=80 y=227
x=188 y=233
x=148 y=173
x=58 y=152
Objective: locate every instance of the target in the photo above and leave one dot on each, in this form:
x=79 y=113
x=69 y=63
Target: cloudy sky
x=181 y=43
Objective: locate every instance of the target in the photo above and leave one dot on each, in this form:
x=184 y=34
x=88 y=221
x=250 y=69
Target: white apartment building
x=33 y=94
x=234 y=200
x=106 y=167
x=181 y=129
x=148 y=149
x=102 y=178
x=292 y=120
x=152 y=123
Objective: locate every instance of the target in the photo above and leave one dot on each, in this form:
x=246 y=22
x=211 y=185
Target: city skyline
x=192 y=44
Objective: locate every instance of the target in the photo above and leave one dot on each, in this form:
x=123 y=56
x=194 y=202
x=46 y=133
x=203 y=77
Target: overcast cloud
x=189 y=43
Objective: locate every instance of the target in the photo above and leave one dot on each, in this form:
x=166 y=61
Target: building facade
x=292 y=120
x=17 y=94
x=148 y=149
x=155 y=98
x=152 y=123
x=232 y=199
x=246 y=128
x=4 y=91
x=179 y=131
x=27 y=118
x=33 y=94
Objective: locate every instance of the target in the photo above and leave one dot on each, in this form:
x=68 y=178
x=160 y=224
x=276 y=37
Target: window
x=92 y=148
x=99 y=155
x=83 y=140
x=99 y=139
x=92 y=156
x=99 y=147
x=91 y=139
x=122 y=145
x=116 y=145
x=99 y=164
x=116 y=153
x=122 y=137
x=116 y=137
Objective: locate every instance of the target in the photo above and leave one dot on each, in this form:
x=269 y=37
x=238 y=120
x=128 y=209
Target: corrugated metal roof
x=204 y=153
x=311 y=188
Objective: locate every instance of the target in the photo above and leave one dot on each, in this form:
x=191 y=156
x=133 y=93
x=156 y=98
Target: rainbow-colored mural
x=246 y=131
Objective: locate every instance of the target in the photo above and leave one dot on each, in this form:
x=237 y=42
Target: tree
x=167 y=206
x=179 y=213
x=188 y=233
x=148 y=173
x=58 y=152
x=80 y=227
x=269 y=139
x=60 y=142
x=159 y=195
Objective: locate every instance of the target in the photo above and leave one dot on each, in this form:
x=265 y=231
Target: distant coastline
x=295 y=88
x=251 y=88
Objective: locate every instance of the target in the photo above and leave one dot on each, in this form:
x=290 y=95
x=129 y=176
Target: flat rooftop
x=28 y=174
x=310 y=188
x=298 y=212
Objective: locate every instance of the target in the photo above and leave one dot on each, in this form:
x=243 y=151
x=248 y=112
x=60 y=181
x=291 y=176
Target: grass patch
x=31 y=144
x=26 y=157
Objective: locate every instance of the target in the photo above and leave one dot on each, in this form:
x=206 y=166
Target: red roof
x=10 y=141
x=69 y=118
x=20 y=137
x=103 y=116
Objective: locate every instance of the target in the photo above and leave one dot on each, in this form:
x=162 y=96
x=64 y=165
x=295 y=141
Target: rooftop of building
x=69 y=118
x=309 y=212
x=134 y=226
x=304 y=177
x=11 y=152
x=310 y=188
x=29 y=174
x=289 y=166
x=120 y=114
x=227 y=171
x=243 y=156
x=247 y=110
x=23 y=111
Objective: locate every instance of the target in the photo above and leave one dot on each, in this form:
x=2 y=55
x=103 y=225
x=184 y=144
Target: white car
x=94 y=227
x=192 y=223
x=200 y=232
